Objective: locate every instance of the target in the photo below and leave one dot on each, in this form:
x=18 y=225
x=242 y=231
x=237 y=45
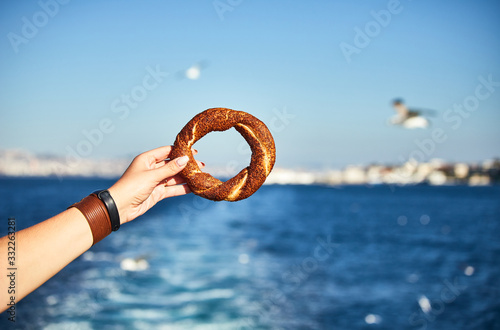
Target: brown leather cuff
x=94 y=210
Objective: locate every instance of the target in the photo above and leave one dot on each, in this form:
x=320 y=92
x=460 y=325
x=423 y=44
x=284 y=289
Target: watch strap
x=110 y=204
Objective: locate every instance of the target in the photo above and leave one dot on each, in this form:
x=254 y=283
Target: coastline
x=22 y=164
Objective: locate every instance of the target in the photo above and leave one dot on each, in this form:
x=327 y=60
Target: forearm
x=43 y=250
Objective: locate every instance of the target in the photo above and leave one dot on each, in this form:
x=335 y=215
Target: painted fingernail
x=202 y=163
x=182 y=161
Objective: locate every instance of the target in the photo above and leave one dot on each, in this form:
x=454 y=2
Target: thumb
x=172 y=167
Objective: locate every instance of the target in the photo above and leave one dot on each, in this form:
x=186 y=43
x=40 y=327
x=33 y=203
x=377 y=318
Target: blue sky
x=67 y=67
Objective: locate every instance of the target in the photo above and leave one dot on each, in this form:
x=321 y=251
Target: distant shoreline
x=317 y=184
x=22 y=164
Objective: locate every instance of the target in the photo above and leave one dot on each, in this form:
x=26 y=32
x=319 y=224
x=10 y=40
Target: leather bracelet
x=95 y=212
x=114 y=216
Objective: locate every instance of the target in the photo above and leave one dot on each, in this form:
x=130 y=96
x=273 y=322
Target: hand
x=150 y=178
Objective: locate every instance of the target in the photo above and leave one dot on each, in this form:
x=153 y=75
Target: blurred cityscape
x=19 y=163
x=434 y=172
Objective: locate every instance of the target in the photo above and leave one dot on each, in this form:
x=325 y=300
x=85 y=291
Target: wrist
x=96 y=214
x=101 y=212
x=111 y=207
x=119 y=204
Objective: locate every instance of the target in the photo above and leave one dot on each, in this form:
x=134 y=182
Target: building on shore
x=18 y=163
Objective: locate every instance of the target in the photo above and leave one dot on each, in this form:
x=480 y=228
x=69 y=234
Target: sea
x=288 y=257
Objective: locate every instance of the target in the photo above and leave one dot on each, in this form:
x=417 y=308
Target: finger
x=178 y=179
x=163 y=161
x=171 y=168
x=171 y=191
x=172 y=181
x=177 y=190
x=193 y=152
x=158 y=154
x=160 y=163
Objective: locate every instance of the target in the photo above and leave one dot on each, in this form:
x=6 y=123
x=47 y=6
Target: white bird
x=408 y=118
x=193 y=72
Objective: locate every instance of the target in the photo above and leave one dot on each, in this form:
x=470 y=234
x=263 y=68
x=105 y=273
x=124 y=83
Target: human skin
x=47 y=247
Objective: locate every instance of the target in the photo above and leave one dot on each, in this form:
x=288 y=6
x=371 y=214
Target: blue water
x=289 y=257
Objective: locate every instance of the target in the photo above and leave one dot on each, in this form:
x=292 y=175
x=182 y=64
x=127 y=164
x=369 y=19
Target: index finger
x=158 y=154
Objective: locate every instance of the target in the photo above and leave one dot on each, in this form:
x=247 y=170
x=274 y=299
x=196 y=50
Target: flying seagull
x=408 y=118
x=193 y=72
